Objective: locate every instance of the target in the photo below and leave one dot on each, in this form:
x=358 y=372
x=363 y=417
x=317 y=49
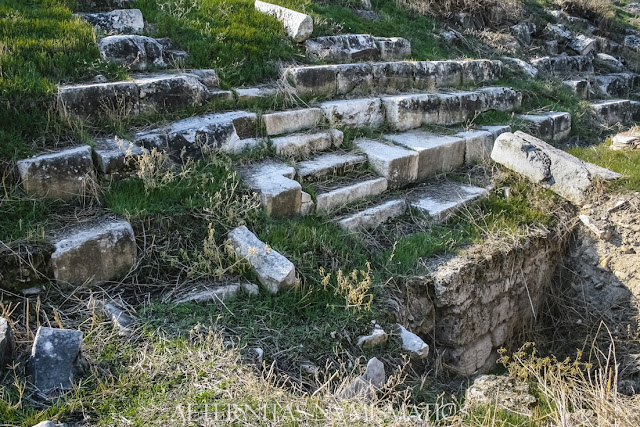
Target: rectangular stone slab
x=94 y=252
x=279 y=194
x=53 y=358
x=354 y=113
x=397 y=164
x=282 y=122
x=444 y=198
x=436 y=153
x=342 y=196
x=478 y=143
x=297 y=145
x=61 y=175
x=274 y=271
x=327 y=164
x=374 y=216
x=548 y=166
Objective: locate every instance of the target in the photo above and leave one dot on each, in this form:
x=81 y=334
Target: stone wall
x=471 y=304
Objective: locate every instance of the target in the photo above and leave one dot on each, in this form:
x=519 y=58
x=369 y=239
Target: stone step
x=354 y=113
x=327 y=165
x=581 y=87
x=346 y=48
x=283 y=122
x=230 y=132
x=442 y=199
x=374 y=216
x=436 y=153
x=382 y=77
x=564 y=65
x=341 y=196
x=115 y=156
x=256 y=93
x=119 y=21
x=398 y=165
x=404 y=112
x=280 y=194
x=550 y=125
x=479 y=142
x=139 y=53
x=95 y=252
x=144 y=93
x=299 y=145
x=617 y=84
x=613 y=111
x=60 y=175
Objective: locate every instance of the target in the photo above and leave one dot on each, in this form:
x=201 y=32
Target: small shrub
x=448 y=8
x=599 y=11
x=155 y=170
x=354 y=287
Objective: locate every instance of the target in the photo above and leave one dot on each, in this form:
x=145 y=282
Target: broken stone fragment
x=374 y=216
x=94 y=252
x=118 y=316
x=274 y=271
x=626 y=141
x=6 y=344
x=121 y=21
x=137 y=53
x=507 y=393
x=378 y=336
x=583 y=45
x=412 y=344
x=297 y=25
x=53 y=359
x=367 y=385
x=279 y=194
x=61 y=175
x=548 y=166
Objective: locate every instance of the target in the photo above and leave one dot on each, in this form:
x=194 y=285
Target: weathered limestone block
x=583 y=45
x=479 y=71
x=297 y=145
x=319 y=80
x=608 y=62
x=558 y=32
x=564 y=65
x=98 y=99
x=393 y=48
x=507 y=393
x=582 y=88
x=411 y=343
x=518 y=65
x=307 y=205
x=6 y=344
x=404 y=112
x=436 y=153
x=195 y=136
x=121 y=21
x=328 y=164
x=392 y=76
x=626 y=141
x=398 y=165
x=632 y=42
x=354 y=78
x=343 y=48
x=611 y=112
x=116 y=156
x=448 y=73
x=97 y=251
x=62 y=175
x=297 y=25
x=374 y=216
x=522 y=31
x=551 y=125
x=282 y=122
x=53 y=359
x=339 y=197
x=366 y=385
x=354 y=113
x=442 y=199
x=279 y=194
x=169 y=92
x=497 y=130
x=425 y=75
x=274 y=271
x=137 y=53
x=250 y=94
x=618 y=84
x=498 y=98
x=478 y=145
x=548 y=166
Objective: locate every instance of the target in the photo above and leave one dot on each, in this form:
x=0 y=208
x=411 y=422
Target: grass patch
x=22 y=217
x=42 y=44
x=623 y=162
